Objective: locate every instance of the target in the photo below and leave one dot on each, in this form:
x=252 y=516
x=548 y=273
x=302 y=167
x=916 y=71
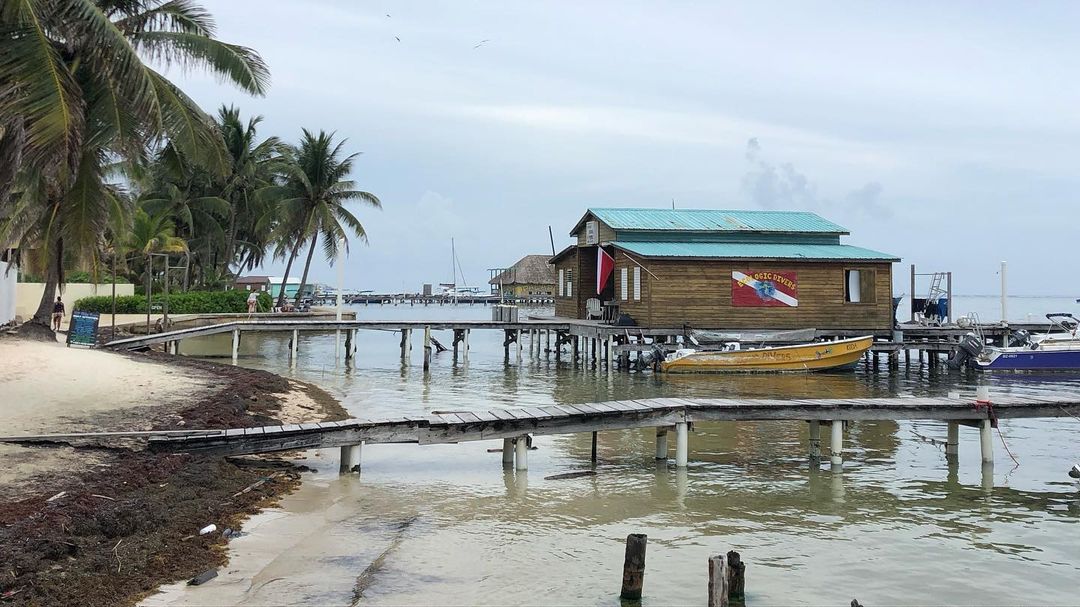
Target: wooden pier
x=513 y=426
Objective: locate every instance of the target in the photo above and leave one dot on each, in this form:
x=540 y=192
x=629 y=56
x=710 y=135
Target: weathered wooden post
x=235 y=345
x=547 y=342
x=348 y=343
x=427 y=348
x=508 y=451
x=521 y=457
x=718 y=581
x=952 y=440
x=736 y=577
x=633 y=572
x=405 y=344
x=575 y=344
x=986 y=443
x=682 y=447
x=350 y=459
x=465 y=345
x=517 y=340
x=294 y=346
x=595 y=440
x=815 y=440
x=661 y=443
x=836 y=445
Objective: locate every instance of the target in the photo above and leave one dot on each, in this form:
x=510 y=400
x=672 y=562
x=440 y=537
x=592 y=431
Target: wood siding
x=698 y=293
x=606 y=233
x=567 y=306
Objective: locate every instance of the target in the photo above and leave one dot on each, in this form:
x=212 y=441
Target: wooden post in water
x=547 y=342
x=595 y=436
x=718 y=581
x=661 y=443
x=294 y=347
x=633 y=576
x=235 y=345
x=348 y=343
x=575 y=343
x=350 y=459
x=517 y=340
x=836 y=445
x=521 y=457
x=736 y=577
x=465 y=345
x=508 y=451
x=682 y=447
x=952 y=440
x=427 y=348
x=815 y=440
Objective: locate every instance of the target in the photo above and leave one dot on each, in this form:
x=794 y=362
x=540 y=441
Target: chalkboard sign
x=83 y=329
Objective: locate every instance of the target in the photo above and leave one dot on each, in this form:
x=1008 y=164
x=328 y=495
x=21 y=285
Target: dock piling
x=465 y=345
x=682 y=447
x=235 y=345
x=718 y=581
x=595 y=440
x=349 y=334
x=815 y=440
x=836 y=445
x=508 y=451
x=986 y=443
x=521 y=455
x=661 y=443
x=952 y=440
x=350 y=459
x=427 y=348
x=294 y=346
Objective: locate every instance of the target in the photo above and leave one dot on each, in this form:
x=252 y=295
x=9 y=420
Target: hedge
x=192 y=302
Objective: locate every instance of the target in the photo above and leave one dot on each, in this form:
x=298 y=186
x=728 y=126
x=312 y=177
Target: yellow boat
x=818 y=356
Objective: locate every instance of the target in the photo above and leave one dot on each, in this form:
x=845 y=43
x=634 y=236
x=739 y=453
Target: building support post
x=985 y=443
x=815 y=440
x=952 y=440
x=508 y=451
x=235 y=345
x=836 y=445
x=682 y=447
x=661 y=443
x=521 y=455
x=350 y=459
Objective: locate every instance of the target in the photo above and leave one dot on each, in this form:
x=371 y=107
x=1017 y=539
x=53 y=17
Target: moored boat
x=1051 y=352
x=816 y=356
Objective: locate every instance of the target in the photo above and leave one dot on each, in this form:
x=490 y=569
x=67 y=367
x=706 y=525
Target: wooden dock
x=514 y=425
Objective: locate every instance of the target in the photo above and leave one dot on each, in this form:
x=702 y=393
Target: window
x=624 y=278
x=562 y=284
x=859 y=286
x=637 y=283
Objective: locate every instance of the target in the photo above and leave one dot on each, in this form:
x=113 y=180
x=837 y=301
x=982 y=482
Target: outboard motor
x=967 y=350
x=1019 y=338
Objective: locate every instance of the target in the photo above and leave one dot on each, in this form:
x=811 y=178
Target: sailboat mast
x=453 y=268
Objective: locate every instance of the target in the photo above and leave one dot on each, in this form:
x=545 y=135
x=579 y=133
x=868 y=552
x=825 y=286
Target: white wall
x=9 y=276
x=29 y=295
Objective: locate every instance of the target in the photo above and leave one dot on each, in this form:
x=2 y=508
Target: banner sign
x=605 y=265
x=758 y=289
x=83 y=329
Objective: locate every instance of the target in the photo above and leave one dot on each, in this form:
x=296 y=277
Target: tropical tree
x=151 y=234
x=78 y=94
x=317 y=189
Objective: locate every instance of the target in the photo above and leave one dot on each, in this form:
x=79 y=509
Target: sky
x=946 y=134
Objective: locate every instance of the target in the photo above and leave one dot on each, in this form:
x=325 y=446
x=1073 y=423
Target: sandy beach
x=126 y=515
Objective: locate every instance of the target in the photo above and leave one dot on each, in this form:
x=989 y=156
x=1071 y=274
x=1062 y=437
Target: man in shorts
x=57 y=313
x=253 y=303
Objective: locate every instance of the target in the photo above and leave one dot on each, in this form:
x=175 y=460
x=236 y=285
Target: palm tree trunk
x=230 y=241
x=43 y=315
x=307 y=266
x=288 y=268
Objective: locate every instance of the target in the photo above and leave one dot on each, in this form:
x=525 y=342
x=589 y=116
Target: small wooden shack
x=531 y=277
x=722 y=269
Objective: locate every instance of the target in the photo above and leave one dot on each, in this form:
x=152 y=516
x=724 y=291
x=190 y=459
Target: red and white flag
x=605 y=265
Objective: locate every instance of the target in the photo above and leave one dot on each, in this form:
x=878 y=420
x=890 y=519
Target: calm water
x=897 y=526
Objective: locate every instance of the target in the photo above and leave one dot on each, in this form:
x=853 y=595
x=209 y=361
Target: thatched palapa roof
x=529 y=270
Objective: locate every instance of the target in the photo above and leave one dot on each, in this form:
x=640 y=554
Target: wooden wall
x=698 y=293
x=606 y=233
x=567 y=306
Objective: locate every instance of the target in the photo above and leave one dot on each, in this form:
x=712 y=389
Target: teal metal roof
x=732 y=250
x=714 y=220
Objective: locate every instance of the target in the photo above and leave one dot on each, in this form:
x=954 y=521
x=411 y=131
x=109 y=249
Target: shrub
x=192 y=302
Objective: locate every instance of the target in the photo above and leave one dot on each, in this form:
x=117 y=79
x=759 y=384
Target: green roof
x=732 y=250
x=713 y=220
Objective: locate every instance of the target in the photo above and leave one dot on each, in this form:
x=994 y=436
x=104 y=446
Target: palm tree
x=75 y=95
x=318 y=189
x=150 y=234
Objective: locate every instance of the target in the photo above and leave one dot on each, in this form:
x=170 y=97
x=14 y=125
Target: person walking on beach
x=253 y=302
x=57 y=313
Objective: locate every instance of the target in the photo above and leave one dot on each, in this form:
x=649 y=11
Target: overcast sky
x=946 y=134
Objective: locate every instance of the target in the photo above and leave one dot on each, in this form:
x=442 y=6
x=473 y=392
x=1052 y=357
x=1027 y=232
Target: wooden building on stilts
x=722 y=269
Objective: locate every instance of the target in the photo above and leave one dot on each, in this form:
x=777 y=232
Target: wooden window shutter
x=624 y=279
x=867 y=286
x=562 y=284
x=637 y=283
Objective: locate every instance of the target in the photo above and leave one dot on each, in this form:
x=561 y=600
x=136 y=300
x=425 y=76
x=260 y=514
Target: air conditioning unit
x=592 y=232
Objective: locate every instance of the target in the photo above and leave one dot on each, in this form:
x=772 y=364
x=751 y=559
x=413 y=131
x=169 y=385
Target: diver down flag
x=764 y=289
x=605 y=265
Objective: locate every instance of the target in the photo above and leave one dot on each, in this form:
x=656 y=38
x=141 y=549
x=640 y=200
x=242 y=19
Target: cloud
x=782 y=186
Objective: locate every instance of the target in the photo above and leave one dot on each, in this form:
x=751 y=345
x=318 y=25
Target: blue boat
x=1058 y=351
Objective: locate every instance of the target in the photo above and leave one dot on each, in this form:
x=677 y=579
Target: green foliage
x=104 y=277
x=192 y=302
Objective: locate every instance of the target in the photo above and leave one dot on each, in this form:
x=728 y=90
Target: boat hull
x=822 y=356
x=1034 y=360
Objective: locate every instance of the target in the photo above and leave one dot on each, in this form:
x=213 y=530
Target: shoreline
x=128 y=521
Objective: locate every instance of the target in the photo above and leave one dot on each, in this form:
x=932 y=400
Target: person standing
x=253 y=303
x=57 y=313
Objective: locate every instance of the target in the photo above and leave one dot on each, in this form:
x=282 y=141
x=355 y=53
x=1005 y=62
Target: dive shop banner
x=759 y=288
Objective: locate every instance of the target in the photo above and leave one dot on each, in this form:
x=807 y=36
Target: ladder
x=936 y=293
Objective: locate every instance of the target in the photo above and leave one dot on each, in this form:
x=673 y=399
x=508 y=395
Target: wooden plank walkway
x=454 y=427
